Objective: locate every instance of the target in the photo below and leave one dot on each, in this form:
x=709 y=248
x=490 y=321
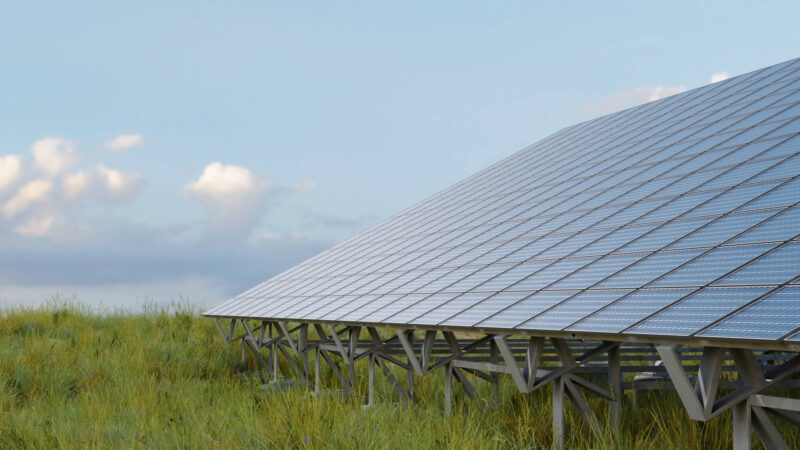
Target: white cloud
x=54 y=154
x=632 y=97
x=233 y=196
x=35 y=227
x=119 y=185
x=219 y=181
x=32 y=192
x=305 y=186
x=10 y=170
x=75 y=184
x=125 y=142
x=719 y=76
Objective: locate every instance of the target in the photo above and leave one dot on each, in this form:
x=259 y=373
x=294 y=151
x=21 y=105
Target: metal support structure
x=531 y=363
x=352 y=352
x=448 y=389
x=748 y=406
x=558 y=413
x=409 y=338
x=371 y=381
x=274 y=351
x=615 y=387
x=494 y=355
x=742 y=426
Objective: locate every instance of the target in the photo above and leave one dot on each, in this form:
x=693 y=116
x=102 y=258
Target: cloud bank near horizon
x=63 y=232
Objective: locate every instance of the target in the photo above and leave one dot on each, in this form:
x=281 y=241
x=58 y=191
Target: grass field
x=164 y=379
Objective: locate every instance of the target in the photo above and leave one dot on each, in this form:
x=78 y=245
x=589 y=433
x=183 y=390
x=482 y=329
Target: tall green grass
x=72 y=378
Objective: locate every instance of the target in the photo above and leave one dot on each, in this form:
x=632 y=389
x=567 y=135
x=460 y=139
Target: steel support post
x=427 y=349
x=303 y=347
x=615 y=387
x=371 y=380
x=271 y=367
x=317 y=357
x=410 y=370
x=448 y=389
x=494 y=355
x=274 y=350
x=558 y=413
x=352 y=350
x=741 y=426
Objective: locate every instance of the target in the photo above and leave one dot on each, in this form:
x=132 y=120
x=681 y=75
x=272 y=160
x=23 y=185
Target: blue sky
x=168 y=150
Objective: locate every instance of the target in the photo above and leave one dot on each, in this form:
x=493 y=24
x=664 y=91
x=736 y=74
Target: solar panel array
x=678 y=217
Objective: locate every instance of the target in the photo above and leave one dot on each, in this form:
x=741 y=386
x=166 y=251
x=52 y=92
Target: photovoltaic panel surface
x=674 y=218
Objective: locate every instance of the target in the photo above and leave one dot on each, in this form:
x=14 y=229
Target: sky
x=161 y=152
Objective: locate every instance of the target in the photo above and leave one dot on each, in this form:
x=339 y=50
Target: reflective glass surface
x=698 y=310
x=769 y=318
x=629 y=310
x=572 y=310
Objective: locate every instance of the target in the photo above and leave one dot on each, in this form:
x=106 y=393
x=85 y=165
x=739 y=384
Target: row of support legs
x=455 y=367
x=751 y=411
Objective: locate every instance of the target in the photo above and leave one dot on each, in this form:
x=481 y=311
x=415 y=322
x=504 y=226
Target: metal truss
x=340 y=347
x=703 y=402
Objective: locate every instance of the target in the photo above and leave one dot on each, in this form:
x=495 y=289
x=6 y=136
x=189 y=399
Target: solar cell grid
x=573 y=309
x=484 y=308
x=528 y=306
x=777 y=267
x=668 y=218
x=769 y=318
x=781 y=193
x=697 y=310
x=629 y=310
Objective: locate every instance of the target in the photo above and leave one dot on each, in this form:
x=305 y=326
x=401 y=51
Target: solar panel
x=698 y=310
x=573 y=309
x=629 y=310
x=530 y=305
x=676 y=218
x=769 y=318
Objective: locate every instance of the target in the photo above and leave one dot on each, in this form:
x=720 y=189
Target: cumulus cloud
x=54 y=155
x=37 y=207
x=220 y=181
x=10 y=170
x=75 y=184
x=234 y=198
x=719 y=76
x=304 y=186
x=30 y=193
x=632 y=97
x=35 y=227
x=52 y=243
x=119 y=185
x=125 y=142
